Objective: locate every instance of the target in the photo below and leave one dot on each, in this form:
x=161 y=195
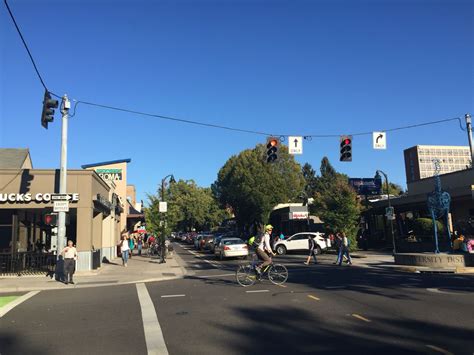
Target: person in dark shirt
x=312 y=250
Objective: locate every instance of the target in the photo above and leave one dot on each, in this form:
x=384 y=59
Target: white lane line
x=169 y=296
x=440 y=350
x=210 y=276
x=360 y=317
x=9 y=306
x=201 y=257
x=334 y=287
x=155 y=342
x=257 y=291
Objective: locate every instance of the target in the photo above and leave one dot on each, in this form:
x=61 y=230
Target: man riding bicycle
x=264 y=249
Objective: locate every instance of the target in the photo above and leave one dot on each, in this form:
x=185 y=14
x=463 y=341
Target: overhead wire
x=198 y=123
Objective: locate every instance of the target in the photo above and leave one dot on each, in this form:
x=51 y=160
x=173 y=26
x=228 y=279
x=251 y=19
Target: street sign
x=390 y=213
x=379 y=140
x=74 y=197
x=61 y=206
x=60 y=197
x=295 y=145
x=163 y=207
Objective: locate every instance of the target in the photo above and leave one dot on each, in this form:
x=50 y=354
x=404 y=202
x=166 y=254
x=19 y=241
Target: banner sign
x=110 y=174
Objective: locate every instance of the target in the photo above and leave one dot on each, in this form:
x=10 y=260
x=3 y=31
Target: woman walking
x=131 y=244
x=124 y=248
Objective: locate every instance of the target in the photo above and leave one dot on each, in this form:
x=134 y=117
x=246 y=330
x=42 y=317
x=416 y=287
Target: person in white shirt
x=124 y=249
x=264 y=249
x=69 y=254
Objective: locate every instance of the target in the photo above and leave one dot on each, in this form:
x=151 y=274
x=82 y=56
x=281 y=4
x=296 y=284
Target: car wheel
x=281 y=250
x=319 y=251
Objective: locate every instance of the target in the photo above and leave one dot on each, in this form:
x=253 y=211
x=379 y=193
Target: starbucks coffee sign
x=27 y=197
x=110 y=174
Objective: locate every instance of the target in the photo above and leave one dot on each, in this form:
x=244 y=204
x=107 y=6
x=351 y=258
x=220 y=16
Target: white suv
x=299 y=241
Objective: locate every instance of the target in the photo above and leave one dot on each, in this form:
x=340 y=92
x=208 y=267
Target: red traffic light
x=347 y=141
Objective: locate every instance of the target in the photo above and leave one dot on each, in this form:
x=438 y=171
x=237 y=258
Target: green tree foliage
x=336 y=203
x=424 y=227
x=189 y=207
x=252 y=187
x=310 y=179
x=394 y=189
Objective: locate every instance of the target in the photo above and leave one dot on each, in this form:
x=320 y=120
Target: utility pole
x=467 y=116
x=389 y=206
x=65 y=106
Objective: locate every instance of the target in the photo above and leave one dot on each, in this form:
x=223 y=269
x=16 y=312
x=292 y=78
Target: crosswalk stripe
x=155 y=342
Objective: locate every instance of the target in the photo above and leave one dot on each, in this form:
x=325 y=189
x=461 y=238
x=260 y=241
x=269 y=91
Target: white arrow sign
x=295 y=145
x=379 y=140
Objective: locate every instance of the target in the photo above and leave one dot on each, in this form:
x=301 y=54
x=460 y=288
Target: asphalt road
x=323 y=309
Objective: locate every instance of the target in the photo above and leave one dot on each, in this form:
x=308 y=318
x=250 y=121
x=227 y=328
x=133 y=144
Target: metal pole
x=467 y=116
x=391 y=220
x=65 y=105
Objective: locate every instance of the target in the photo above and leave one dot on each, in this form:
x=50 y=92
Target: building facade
x=419 y=160
x=93 y=221
x=115 y=172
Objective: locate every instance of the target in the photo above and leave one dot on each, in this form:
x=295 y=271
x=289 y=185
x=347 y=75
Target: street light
x=377 y=173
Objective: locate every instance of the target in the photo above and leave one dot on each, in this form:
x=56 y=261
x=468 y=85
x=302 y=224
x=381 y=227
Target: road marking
x=213 y=263
x=334 y=287
x=155 y=342
x=220 y=275
x=314 y=297
x=169 y=296
x=9 y=306
x=282 y=286
x=360 y=317
x=257 y=291
x=442 y=351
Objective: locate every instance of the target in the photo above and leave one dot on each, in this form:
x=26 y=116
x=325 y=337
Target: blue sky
x=289 y=67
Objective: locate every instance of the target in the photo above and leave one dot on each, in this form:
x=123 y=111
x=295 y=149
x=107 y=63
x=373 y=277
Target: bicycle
x=247 y=275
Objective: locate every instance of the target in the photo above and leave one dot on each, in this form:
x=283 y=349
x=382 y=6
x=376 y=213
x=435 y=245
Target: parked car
x=217 y=239
x=207 y=242
x=299 y=241
x=231 y=247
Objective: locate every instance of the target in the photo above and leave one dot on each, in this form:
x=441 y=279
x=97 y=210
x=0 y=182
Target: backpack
x=255 y=240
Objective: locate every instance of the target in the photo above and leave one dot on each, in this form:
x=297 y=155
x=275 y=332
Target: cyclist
x=264 y=249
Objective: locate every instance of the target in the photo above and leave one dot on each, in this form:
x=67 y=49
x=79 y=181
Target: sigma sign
x=110 y=174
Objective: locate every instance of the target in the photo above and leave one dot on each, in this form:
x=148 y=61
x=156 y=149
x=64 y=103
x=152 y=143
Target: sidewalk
x=140 y=269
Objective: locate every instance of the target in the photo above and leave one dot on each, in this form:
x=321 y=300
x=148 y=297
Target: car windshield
x=233 y=241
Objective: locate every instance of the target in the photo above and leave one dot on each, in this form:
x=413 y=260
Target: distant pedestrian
x=344 y=250
x=125 y=249
x=69 y=254
x=312 y=250
x=131 y=244
x=139 y=244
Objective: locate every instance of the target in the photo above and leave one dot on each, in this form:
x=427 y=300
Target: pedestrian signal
x=51 y=219
x=272 y=149
x=346 y=148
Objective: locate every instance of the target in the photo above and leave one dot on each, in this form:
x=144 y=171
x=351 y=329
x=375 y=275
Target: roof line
x=106 y=163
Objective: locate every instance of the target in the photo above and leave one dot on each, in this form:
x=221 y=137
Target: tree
x=394 y=189
x=336 y=203
x=251 y=187
x=189 y=207
x=310 y=179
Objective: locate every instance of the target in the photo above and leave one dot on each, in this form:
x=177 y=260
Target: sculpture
x=438 y=204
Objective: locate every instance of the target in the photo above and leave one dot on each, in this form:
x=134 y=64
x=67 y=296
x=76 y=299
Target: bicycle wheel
x=245 y=275
x=278 y=274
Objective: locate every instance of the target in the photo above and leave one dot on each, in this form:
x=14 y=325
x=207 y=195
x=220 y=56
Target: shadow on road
x=293 y=331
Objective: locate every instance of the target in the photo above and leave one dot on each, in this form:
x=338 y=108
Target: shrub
x=424 y=226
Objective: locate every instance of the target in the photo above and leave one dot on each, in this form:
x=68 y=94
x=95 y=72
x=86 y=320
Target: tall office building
x=419 y=160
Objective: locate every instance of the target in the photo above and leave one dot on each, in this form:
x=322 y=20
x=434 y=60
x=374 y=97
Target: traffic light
x=49 y=105
x=272 y=149
x=26 y=179
x=50 y=219
x=346 y=148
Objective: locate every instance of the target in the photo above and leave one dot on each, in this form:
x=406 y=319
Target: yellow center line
x=314 y=298
x=360 y=317
x=442 y=351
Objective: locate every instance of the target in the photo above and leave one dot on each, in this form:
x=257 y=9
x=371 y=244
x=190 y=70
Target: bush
x=424 y=226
